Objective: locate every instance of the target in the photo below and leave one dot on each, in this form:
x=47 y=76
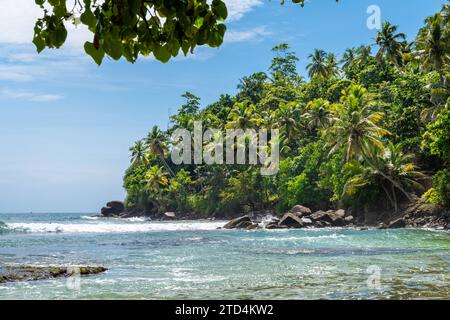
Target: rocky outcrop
x=116 y=205
x=31 y=273
x=113 y=208
x=396 y=224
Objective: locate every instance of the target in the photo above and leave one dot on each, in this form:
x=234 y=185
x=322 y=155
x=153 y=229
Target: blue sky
x=66 y=124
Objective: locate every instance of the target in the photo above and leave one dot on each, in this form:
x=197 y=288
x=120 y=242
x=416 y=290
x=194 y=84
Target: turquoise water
x=193 y=260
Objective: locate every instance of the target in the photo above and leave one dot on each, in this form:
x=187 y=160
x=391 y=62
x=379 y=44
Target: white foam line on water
x=109 y=227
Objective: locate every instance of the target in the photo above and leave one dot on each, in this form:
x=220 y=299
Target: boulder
x=169 y=216
x=117 y=205
x=340 y=213
x=233 y=223
x=329 y=218
x=307 y=222
x=398 y=223
x=253 y=226
x=301 y=210
x=349 y=219
x=291 y=220
x=108 y=211
x=244 y=225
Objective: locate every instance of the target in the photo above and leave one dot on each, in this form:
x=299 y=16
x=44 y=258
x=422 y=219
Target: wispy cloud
x=255 y=34
x=238 y=8
x=29 y=96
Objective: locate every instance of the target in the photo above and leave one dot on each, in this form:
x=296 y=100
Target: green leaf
x=39 y=2
x=96 y=54
x=39 y=43
x=88 y=18
x=219 y=9
x=161 y=53
x=199 y=22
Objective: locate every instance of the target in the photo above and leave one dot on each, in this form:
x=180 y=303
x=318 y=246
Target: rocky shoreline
x=416 y=214
x=15 y=273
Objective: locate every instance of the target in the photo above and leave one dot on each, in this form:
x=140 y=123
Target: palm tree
x=355 y=124
x=390 y=45
x=332 y=65
x=348 y=58
x=392 y=171
x=243 y=116
x=138 y=153
x=433 y=49
x=154 y=179
x=318 y=113
x=363 y=54
x=156 y=142
x=317 y=68
x=286 y=119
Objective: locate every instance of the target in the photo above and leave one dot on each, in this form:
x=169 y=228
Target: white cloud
x=18 y=18
x=255 y=34
x=238 y=8
x=29 y=96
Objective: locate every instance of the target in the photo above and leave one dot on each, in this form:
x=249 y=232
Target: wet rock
x=108 y=211
x=398 y=223
x=244 y=225
x=32 y=273
x=307 y=222
x=301 y=210
x=253 y=226
x=291 y=220
x=233 y=223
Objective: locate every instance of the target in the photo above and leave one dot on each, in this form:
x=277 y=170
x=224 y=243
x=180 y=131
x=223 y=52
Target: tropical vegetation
x=368 y=130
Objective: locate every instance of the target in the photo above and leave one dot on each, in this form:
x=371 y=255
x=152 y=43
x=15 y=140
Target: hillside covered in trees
x=369 y=129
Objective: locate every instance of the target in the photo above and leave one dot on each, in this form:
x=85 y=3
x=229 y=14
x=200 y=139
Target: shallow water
x=193 y=260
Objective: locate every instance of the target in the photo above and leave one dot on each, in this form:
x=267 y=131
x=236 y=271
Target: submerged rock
x=31 y=273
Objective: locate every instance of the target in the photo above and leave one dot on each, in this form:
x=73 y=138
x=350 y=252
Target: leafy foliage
x=355 y=135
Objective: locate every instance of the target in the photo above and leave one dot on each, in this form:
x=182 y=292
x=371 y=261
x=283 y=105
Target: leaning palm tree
x=156 y=142
x=355 y=125
x=317 y=68
x=433 y=48
x=391 y=171
x=138 y=153
x=390 y=43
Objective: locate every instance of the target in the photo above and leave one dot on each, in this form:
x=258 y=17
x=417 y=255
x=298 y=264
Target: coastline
x=415 y=214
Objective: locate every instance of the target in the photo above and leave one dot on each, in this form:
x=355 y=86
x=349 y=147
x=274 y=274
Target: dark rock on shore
x=237 y=222
x=32 y=273
x=291 y=220
x=396 y=224
x=304 y=211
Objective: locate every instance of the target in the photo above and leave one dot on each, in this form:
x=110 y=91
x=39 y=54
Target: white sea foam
x=113 y=227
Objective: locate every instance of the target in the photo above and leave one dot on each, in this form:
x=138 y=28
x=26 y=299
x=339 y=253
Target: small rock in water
x=31 y=273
